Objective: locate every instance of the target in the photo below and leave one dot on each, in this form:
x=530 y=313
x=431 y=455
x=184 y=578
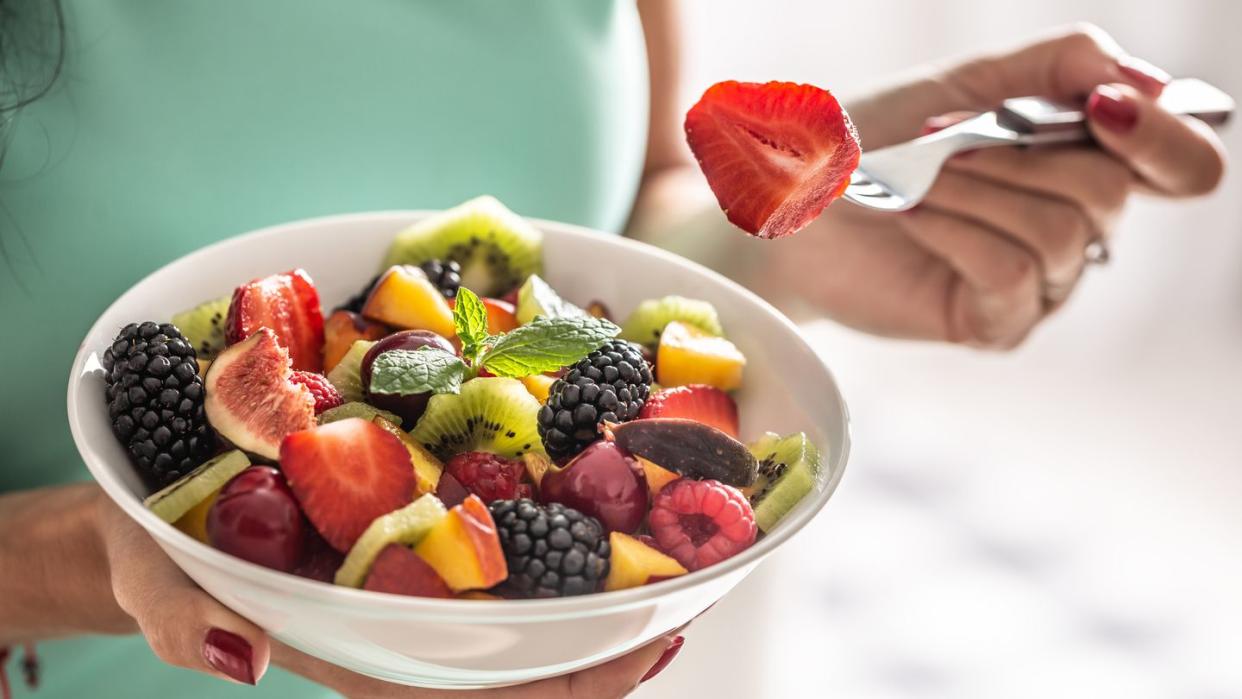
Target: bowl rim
x=464 y=610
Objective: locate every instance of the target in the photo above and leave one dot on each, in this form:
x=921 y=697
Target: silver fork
x=897 y=178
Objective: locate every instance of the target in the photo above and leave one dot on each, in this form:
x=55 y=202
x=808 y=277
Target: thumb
x=183 y=625
x=1178 y=156
x=1065 y=66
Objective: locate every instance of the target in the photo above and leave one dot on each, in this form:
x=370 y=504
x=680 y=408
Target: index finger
x=1174 y=155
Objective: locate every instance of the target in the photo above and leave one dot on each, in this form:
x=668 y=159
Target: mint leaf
x=537 y=298
x=546 y=344
x=470 y=318
x=426 y=369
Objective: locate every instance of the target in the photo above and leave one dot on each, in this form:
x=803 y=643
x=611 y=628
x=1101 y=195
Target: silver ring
x=1096 y=251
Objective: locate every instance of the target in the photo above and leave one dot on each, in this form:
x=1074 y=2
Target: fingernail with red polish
x=1112 y=109
x=1143 y=75
x=937 y=123
x=669 y=653
x=230 y=654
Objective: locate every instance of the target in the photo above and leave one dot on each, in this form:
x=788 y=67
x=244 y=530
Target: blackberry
x=610 y=384
x=155 y=401
x=446 y=276
x=552 y=550
x=355 y=302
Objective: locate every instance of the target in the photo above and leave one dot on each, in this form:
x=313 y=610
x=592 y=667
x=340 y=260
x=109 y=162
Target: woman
x=173 y=126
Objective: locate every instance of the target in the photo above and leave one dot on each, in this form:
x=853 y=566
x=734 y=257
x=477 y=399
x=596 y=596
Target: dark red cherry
x=257 y=518
x=410 y=408
x=605 y=482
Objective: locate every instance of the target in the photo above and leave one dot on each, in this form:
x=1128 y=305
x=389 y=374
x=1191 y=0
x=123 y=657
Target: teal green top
x=177 y=124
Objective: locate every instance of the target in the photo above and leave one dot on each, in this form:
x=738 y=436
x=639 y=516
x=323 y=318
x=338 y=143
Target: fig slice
x=250 y=400
x=687 y=447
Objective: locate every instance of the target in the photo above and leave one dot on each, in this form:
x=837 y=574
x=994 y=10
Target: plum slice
x=689 y=448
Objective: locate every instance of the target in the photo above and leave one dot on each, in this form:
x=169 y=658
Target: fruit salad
x=457 y=429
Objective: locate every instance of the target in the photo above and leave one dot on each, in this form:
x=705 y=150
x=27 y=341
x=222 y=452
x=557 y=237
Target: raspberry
x=701 y=522
x=489 y=476
x=326 y=395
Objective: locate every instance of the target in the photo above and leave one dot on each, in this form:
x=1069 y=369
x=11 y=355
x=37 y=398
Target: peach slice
x=657 y=476
x=538 y=385
x=398 y=571
x=427 y=468
x=536 y=465
x=465 y=549
x=342 y=330
x=635 y=563
x=688 y=355
x=194 y=522
x=405 y=298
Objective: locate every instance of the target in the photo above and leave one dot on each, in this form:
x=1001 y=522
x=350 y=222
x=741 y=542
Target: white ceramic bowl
x=461 y=643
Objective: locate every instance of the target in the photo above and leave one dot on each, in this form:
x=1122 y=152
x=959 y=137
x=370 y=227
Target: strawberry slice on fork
x=775 y=154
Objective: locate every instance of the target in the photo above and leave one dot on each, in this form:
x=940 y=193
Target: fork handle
x=1038 y=121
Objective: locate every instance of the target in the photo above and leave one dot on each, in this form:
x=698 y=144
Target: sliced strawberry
x=288 y=304
x=775 y=154
x=345 y=474
x=706 y=404
x=398 y=570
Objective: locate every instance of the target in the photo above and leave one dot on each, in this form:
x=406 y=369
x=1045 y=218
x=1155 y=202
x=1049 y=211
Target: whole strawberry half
x=706 y=404
x=775 y=154
x=288 y=303
x=345 y=474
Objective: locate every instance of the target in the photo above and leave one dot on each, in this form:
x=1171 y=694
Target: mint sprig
x=424 y=370
x=545 y=344
x=470 y=319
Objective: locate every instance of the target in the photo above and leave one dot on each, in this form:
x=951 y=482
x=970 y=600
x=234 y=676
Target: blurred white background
x=1064 y=520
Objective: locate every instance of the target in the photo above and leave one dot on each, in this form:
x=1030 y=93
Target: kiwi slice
x=537 y=298
x=179 y=497
x=490 y=414
x=203 y=326
x=647 y=322
x=356 y=409
x=495 y=247
x=788 y=467
x=347 y=374
x=407 y=526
